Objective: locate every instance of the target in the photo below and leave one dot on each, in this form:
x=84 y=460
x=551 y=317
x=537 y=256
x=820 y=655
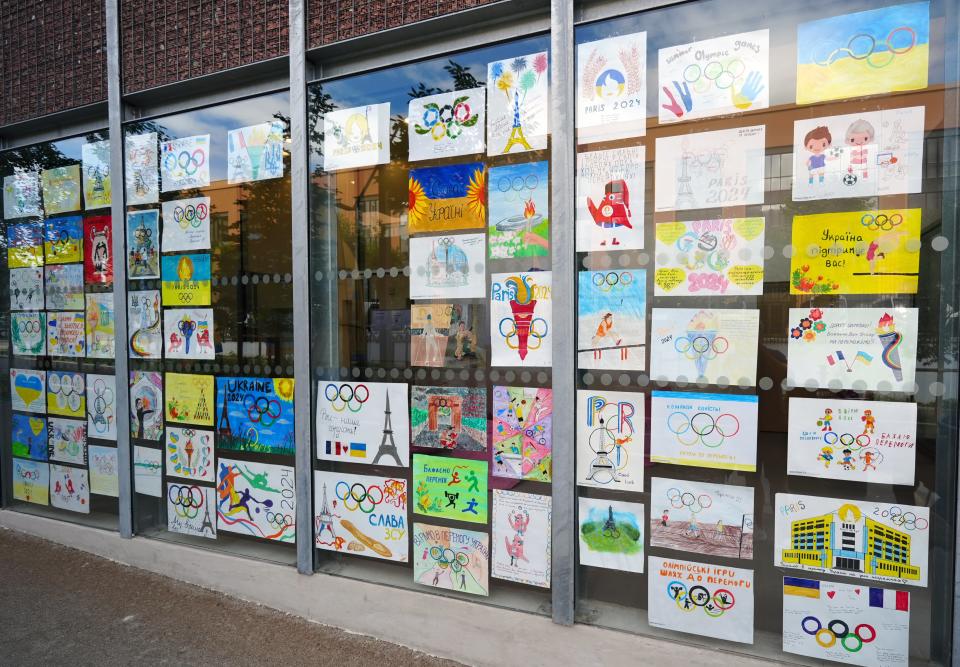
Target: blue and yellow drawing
x=446 y=198
x=29 y=437
x=63 y=242
x=185 y=280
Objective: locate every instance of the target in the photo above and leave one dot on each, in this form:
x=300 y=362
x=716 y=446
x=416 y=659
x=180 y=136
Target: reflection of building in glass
x=847 y=540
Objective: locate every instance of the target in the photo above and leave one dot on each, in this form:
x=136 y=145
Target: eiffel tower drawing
x=207 y=523
x=516 y=134
x=387 y=448
x=203 y=412
x=223 y=426
x=325 y=517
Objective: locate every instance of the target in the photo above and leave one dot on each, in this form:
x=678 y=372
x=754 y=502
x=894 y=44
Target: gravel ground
x=60 y=606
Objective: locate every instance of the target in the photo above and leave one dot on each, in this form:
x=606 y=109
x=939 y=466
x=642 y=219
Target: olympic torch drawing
x=890 y=338
x=522 y=306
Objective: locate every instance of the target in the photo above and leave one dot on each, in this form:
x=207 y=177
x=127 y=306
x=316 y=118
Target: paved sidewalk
x=63 y=606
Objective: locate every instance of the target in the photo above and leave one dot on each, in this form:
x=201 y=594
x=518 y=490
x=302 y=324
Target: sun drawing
x=417 y=202
x=476 y=193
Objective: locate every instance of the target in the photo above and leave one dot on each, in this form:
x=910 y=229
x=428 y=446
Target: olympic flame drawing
x=522 y=306
x=890 y=338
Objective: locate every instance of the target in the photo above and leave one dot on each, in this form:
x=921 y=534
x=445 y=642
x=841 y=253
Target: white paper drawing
x=447 y=124
x=356 y=137
x=612 y=88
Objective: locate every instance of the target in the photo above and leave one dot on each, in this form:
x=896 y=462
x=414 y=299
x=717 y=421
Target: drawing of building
x=848 y=540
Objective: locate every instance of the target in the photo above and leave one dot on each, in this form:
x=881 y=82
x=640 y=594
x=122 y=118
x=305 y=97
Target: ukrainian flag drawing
x=806 y=588
x=447 y=198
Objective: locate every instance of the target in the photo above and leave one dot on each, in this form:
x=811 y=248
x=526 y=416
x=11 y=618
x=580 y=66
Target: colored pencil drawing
x=66 y=394
x=713 y=519
x=363 y=422
x=69 y=488
x=67 y=440
x=191 y=510
x=611 y=534
x=189 y=399
x=447 y=335
x=95 y=156
x=28 y=333
x=101 y=407
x=25 y=244
x=520 y=526
x=356 y=137
x=447 y=267
x=146 y=405
x=705 y=257
x=143 y=320
x=450 y=488
x=66 y=333
x=255 y=152
x=519 y=210
x=142 y=175
x=31 y=482
x=21 y=194
x=451 y=558
x=255 y=414
x=360 y=514
x=608 y=218
x=611 y=320
x=26 y=289
x=104 y=475
x=61 y=189
x=28 y=390
x=447 y=198
x=186 y=224
x=99 y=326
x=189 y=333
x=98 y=250
x=256 y=499
x=147 y=471
x=450 y=418
x=63 y=240
x=612 y=88
x=64 y=286
x=28 y=437
x=863 y=53
x=143 y=249
x=518 y=104
x=521 y=315
x=185 y=163
x=522 y=433
x=447 y=124
x=189 y=453
x=185 y=280
x=610 y=439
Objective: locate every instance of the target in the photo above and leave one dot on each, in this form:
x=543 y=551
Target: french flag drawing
x=887 y=599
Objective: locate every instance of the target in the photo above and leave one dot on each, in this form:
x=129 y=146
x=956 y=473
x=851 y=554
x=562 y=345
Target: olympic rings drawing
x=25 y=473
x=190 y=215
x=908 y=520
x=447 y=557
x=518 y=183
x=680 y=499
x=262 y=410
x=346 y=396
x=610 y=280
x=863 y=46
x=701 y=346
x=351 y=494
x=828 y=636
x=187 y=501
x=28 y=326
x=714 y=605
x=881 y=222
x=720 y=75
x=848 y=440
x=704 y=428
x=68 y=389
x=277 y=520
x=534 y=334
x=191 y=162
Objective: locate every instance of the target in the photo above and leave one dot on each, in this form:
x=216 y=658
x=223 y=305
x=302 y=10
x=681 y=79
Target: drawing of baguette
x=371 y=543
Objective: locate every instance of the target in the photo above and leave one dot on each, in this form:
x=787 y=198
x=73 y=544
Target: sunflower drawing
x=477 y=194
x=417 y=207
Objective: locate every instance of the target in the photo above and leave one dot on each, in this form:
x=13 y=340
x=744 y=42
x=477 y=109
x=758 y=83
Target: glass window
x=766 y=415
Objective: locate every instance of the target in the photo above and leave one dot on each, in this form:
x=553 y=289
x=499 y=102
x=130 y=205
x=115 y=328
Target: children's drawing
x=26 y=289
x=451 y=558
x=147 y=471
x=522 y=433
x=710 y=169
x=255 y=415
x=709 y=257
x=143 y=249
x=447 y=334
x=143 y=320
x=101 y=407
x=188 y=333
x=450 y=488
x=701 y=598
x=67 y=440
x=256 y=499
x=611 y=319
x=360 y=514
x=191 y=510
x=31 y=482
x=447 y=124
x=21 y=194
x=25 y=244
x=723 y=75
x=146 y=405
x=852 y=624
x=64 y=286
x=702 y=517
x=863 y=53
x=189 y=399
x=185 y=163
x=612 y=88
x=69 y=488
x=363 y=422
x=189 y=453
x=255 y=153
x=521 y=315
x=185 y=280
x=853 y=538
x=28 y=437
x=450 y=418
x=66 y=333
x=712 y=346
x=61 y=189
x=447 y=267
x=868 y=154
x=28 y=390
x=704 y=430
x=95 y=156
x=142 y=177
x=447 y=198
x=521 y=537
x=861 y=252
x=519 y=210
x=859 y=441
x=104 y=475
x=98 y=250
x=99 y=327
x=610 y=439
x=186 y=224
x=611 y=534
x=606 y=219
x=518 y=104
x=28 y=333
x=356 y=137
x=66 y=394
x=853 y=348
x=63 y=240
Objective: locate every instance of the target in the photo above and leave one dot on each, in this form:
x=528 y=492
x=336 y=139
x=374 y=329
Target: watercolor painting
x=185 y=280
x=31 y=481
x=61 y=189
x=447 y=335
x=255 y=414
x=97 y=190
x=255 y=152
x=611 y=320
x=25 y=244
x=519 y=223
x=143 y=244
x=256 y=499
x=63 y=240
x=611 y=534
